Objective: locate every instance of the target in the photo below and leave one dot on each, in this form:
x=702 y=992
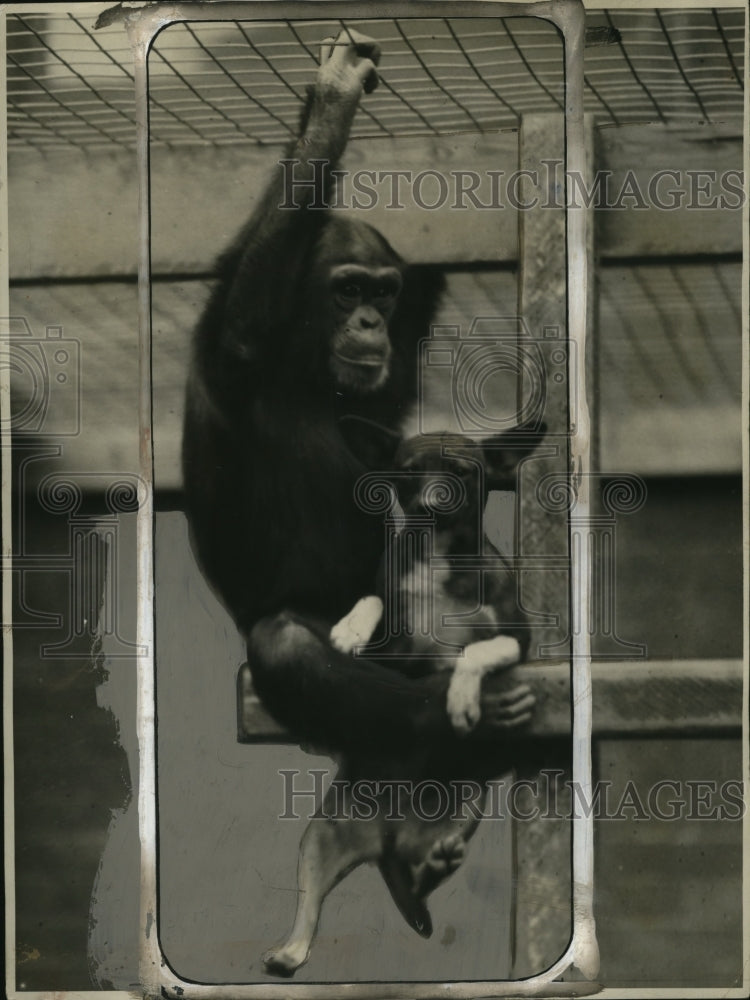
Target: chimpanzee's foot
x=443 y=858
x=285 y=960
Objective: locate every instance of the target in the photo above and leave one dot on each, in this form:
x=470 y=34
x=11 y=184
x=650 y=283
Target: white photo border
x=156 y=978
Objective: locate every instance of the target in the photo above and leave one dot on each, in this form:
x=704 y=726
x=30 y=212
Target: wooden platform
x=636 y=698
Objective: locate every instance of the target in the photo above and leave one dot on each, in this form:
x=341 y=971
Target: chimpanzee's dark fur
x=269 y=477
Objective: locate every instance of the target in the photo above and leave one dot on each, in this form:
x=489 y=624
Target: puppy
x=436 y=611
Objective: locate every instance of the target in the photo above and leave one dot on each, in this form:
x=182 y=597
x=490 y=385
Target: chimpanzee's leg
x=334 y=700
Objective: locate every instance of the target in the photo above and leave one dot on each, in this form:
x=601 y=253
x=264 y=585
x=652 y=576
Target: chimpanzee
x=314 y=319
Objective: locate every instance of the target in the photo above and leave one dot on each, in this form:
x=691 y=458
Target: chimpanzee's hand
x=347 y=66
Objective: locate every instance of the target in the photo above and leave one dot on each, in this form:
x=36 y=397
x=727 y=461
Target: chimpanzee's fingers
x=363 y=46
x=523 y=705
x=515 y=722
x=368 y=48
x=360 y=51
x=368 y=75
x=508 y=709
x=520 y=713
x=510 y=695
x=326 y=50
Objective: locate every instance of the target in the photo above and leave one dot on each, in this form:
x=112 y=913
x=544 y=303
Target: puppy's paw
x=464 y=707
x=356 y=628
x=444 y=857
x=446 y=854
x=342 y=636
x=284 y=960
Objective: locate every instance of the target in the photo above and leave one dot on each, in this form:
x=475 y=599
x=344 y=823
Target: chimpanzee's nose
x=369 y=318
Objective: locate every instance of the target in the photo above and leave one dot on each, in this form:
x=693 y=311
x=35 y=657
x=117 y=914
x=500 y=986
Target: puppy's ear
x=503 y=452
x=370 y=442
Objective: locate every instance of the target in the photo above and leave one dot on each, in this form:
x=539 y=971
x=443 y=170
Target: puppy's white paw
x=490 y=654
x=343 y=636
x=463 y=700
x=356 y=628
x=285 y=960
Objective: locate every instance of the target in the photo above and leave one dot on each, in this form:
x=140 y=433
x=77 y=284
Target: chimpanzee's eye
x=350 y=290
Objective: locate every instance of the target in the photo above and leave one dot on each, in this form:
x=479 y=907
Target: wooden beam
x=707 y=218
x=75 y=216
x=633 y=699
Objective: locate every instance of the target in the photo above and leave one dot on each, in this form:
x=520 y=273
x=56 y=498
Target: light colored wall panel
x=79 y=218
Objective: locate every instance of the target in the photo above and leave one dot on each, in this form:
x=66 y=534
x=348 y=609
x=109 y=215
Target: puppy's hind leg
x=448 y=850
x=329 y=850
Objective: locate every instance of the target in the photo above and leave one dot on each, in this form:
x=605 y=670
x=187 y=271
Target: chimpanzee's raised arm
x=274 y=246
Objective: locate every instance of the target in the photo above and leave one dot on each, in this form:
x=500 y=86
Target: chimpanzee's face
x=354 y=284
x=362 y=301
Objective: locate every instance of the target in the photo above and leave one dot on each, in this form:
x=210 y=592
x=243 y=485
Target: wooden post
x=542 y=848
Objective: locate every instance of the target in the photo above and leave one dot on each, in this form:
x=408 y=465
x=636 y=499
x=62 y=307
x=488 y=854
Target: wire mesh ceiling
x=220 y=83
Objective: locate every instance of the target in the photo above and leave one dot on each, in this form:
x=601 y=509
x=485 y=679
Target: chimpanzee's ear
x=370 y=442
x=504 y=451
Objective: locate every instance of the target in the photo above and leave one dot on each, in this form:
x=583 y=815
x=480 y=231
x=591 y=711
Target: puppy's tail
x=398 y=877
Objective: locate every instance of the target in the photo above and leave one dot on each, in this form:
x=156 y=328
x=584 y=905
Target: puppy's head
x=448 y=475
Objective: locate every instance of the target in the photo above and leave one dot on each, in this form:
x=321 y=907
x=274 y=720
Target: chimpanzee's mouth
x=365 y=360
